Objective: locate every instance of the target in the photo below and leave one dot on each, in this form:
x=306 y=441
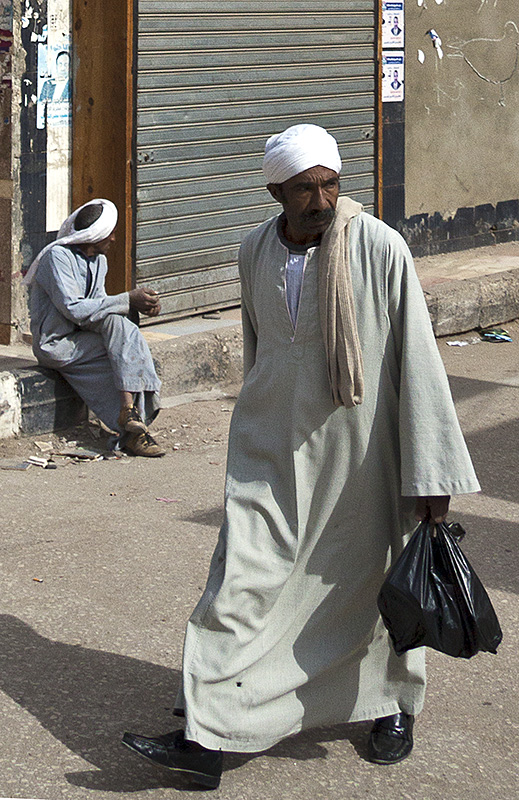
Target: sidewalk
x=472 y=288
x=464 y=291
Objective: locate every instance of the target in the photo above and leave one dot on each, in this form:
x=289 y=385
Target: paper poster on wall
x=392 y=76
x=54 y=108
x=392 y=24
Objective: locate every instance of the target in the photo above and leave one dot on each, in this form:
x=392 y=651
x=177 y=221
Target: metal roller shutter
x=215 y=79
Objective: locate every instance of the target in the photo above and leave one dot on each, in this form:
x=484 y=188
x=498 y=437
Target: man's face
x=62 y=67
x=102 y=247
x=309 y=201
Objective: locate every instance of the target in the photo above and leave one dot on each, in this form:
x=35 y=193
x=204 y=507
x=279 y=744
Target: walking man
x=343 y=435
x=85 y=334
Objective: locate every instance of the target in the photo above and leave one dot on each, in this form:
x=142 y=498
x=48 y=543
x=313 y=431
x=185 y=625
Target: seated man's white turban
x=297 y=149
x=67 y=234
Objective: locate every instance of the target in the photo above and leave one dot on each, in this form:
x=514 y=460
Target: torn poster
x=392 y=24
x=392 y=76
x=54 y=108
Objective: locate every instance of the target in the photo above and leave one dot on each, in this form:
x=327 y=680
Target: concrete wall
x=35 y=145
x=462 y=111
x=6 y=186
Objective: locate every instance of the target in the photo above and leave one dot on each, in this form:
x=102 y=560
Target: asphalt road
x=99 y=577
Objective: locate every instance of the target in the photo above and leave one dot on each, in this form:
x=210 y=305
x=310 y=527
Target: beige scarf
x=337 y=309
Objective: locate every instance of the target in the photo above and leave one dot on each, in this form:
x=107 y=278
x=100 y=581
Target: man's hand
x=146 y=301
x=436 y=507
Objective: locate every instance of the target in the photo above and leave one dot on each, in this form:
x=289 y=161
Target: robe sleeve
x=56 y=276
x=434 y=457
x=248 y=317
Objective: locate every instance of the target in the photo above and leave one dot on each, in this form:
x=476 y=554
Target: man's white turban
x=67 y=234
x=298 y=148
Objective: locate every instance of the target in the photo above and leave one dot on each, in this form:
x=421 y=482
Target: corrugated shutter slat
x=215 y=79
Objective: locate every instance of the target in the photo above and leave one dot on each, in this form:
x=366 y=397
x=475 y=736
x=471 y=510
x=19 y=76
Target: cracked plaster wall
x=461 y=111
x=6 y=184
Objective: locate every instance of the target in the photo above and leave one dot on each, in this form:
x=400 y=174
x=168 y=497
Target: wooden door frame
x=104 y=120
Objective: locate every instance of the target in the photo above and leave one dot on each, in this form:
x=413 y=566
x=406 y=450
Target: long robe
x=83 y=333
x=319 y=500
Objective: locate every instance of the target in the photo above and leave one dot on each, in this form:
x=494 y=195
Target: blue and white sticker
x=392 y=76
x=392 y=24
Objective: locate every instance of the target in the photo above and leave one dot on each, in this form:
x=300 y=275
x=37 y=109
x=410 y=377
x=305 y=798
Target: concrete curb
x=199 y=362
x=34 y=400
x=458 y=306
x=37 y=400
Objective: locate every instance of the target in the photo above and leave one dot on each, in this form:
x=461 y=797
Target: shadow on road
x=491 y=543
x=86 y=699
x=494 y=448
x=491 y=547
x=212 y=517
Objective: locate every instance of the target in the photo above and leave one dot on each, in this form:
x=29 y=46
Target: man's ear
x=276 y=191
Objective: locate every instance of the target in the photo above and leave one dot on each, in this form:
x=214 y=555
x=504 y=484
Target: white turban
x=297 y=149
x=67 y=234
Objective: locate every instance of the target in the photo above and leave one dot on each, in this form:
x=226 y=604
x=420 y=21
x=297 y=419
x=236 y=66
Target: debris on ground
x=495 y=335
x=45 y=447
x=20 y=466
x=38 y=461
x=166 y=500
x=201 y=424
x=464 y=342
x=79 y=454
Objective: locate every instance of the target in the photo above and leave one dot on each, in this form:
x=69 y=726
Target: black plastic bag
x=433 y=597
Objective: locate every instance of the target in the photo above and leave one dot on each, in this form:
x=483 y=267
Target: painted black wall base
x=33 y=154
x=430 y=234
x=48 y=402
x=393 y=157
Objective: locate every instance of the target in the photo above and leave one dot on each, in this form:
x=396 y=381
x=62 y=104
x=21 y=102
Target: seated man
x=85 y=335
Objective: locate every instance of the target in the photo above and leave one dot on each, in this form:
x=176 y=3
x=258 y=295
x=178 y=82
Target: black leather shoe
x=173 y=751
x=391 y=739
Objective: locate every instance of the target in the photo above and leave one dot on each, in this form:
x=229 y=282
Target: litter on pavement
x=464 y=342
x=495 y=335
x=166 y=500
x=45 y=447
x=80 y=453
x=38 y=461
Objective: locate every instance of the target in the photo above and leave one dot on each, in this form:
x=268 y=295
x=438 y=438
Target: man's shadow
x=87 y=698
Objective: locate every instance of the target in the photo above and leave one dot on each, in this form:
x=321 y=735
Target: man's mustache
x=326 y=215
